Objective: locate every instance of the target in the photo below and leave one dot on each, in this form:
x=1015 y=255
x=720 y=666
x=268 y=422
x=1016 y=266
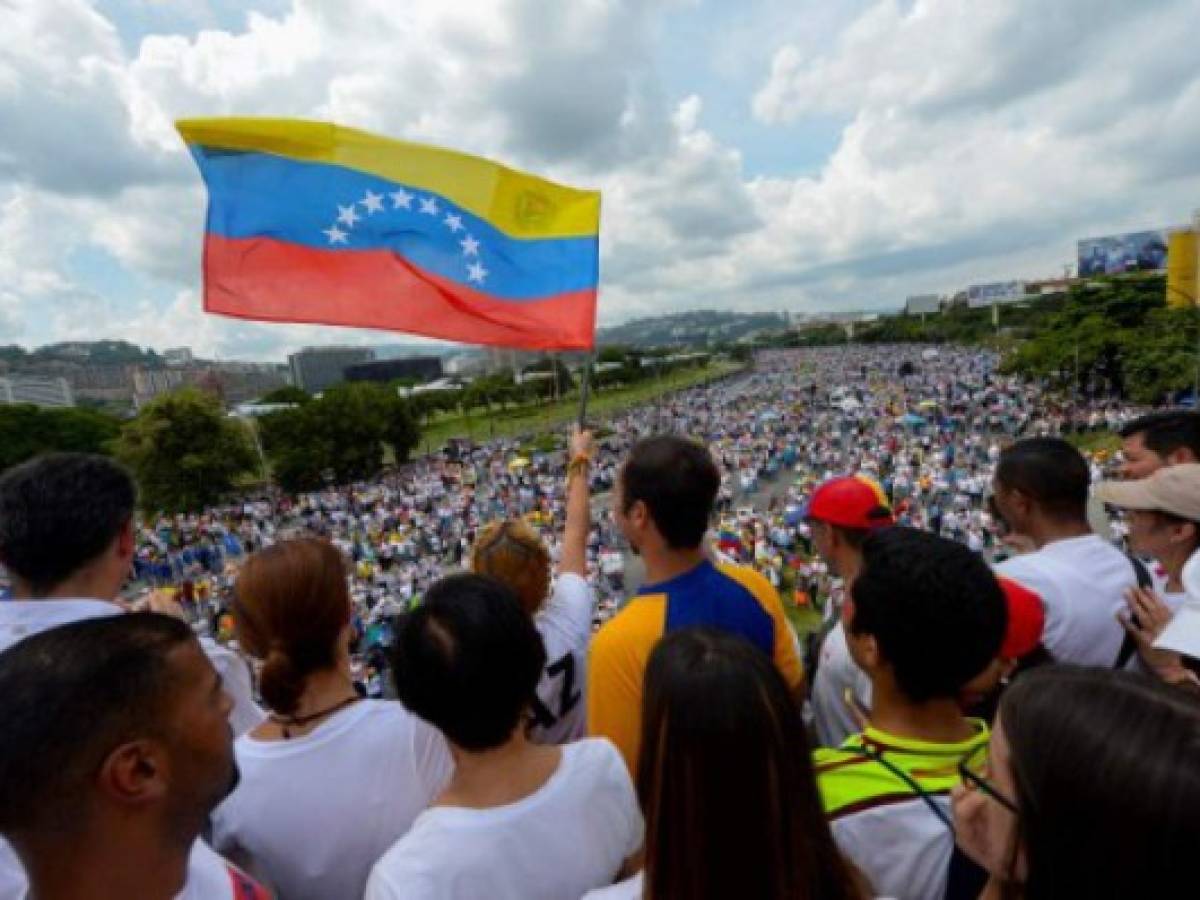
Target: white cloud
x=63 y=103
x=991 y=127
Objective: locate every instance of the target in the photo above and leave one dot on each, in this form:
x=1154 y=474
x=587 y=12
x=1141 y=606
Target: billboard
x=994 y=292
x=1116 y=253
x=919 y=304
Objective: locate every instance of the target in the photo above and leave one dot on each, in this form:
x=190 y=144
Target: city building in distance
x=40 y=391
x=421 y=368
x=316 y=368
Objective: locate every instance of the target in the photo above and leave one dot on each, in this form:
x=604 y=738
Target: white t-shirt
x=565 y=624
x=569 y=836
x=903 y=849
x=211 y=876
x=314 y=813
x=1174 y=600
x=20 y=619
x=235 y=677
x=1082 y=583
x=836 y=673
x=629 y=889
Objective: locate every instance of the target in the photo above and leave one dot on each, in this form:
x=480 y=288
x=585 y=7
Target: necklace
x=286 y=722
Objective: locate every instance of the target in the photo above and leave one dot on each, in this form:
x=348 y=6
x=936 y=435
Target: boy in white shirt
x=518 y=820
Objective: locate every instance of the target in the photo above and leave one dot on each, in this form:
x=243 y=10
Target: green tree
x=614 y=353
x=1099 y=330
x=26 y=431
x=351 y=419
x=340 y=436
x=402 y=432
x=298 y=458
x=286 y=394
x=184 y=451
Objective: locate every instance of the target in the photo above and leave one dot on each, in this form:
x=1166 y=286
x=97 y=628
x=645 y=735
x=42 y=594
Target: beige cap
x=1173 y=489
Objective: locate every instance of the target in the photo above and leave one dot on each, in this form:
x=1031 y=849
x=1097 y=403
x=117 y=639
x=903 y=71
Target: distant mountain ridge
x=693 y=328
x=697 y=327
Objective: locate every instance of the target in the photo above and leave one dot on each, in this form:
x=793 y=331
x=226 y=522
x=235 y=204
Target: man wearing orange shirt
x=662 y=502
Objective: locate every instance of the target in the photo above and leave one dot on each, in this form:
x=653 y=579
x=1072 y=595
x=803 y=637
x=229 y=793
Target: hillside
x=697 y=328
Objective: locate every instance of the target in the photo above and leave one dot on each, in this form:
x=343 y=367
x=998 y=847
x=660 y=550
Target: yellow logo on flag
x=534 y=209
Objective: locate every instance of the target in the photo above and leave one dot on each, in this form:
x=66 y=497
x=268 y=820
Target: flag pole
x=584 y=388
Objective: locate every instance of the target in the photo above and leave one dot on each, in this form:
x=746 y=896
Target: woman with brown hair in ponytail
x=329 y=781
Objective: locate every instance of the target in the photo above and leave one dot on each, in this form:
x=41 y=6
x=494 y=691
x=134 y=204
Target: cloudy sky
x=761 y=154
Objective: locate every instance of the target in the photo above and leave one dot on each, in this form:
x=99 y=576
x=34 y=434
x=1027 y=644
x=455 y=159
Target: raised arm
x=579 y=512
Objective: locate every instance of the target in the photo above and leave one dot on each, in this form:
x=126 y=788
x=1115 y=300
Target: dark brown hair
x=290 y=606
x=678 y=481
x=1107 y=772
x=726 y=782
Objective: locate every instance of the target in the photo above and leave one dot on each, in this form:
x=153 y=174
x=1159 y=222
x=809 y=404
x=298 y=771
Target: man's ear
x=1018 y=501
x=638 y=514
x=870 y=652
x=864 y=650
x=1185 y=532
x=135 y=774
x=126 y=542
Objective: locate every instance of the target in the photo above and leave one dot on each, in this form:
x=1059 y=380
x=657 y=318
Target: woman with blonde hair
x=330 y=780
x=512 y=552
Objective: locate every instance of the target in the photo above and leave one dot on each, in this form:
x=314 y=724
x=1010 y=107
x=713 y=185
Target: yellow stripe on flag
x=519 y=204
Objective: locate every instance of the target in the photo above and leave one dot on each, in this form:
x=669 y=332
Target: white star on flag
x=476 y=272
x=402 y=198
x=429 y=206
x=336 y=235
x=454 y=223
x=373 y=202
x=470 y=246
x=347 y=216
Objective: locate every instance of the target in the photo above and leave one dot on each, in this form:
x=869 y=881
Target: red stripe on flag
x=262 y=278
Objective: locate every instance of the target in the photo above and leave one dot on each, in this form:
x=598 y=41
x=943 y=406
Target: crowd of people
x=495 y=675
x=927 y=424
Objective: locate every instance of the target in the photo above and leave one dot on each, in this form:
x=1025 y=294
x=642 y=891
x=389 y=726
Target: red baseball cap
x=1026 y=619
x=852 y=501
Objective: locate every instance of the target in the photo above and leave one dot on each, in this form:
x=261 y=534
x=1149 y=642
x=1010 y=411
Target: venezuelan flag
x=312 y=222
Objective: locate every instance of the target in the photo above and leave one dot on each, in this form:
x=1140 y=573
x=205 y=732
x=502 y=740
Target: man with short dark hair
x=115 y=749
x=517 y=819
x=1159 y=439
x=924 y=616
x=67 y=541
x=1041 y=491
x=662 y=502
